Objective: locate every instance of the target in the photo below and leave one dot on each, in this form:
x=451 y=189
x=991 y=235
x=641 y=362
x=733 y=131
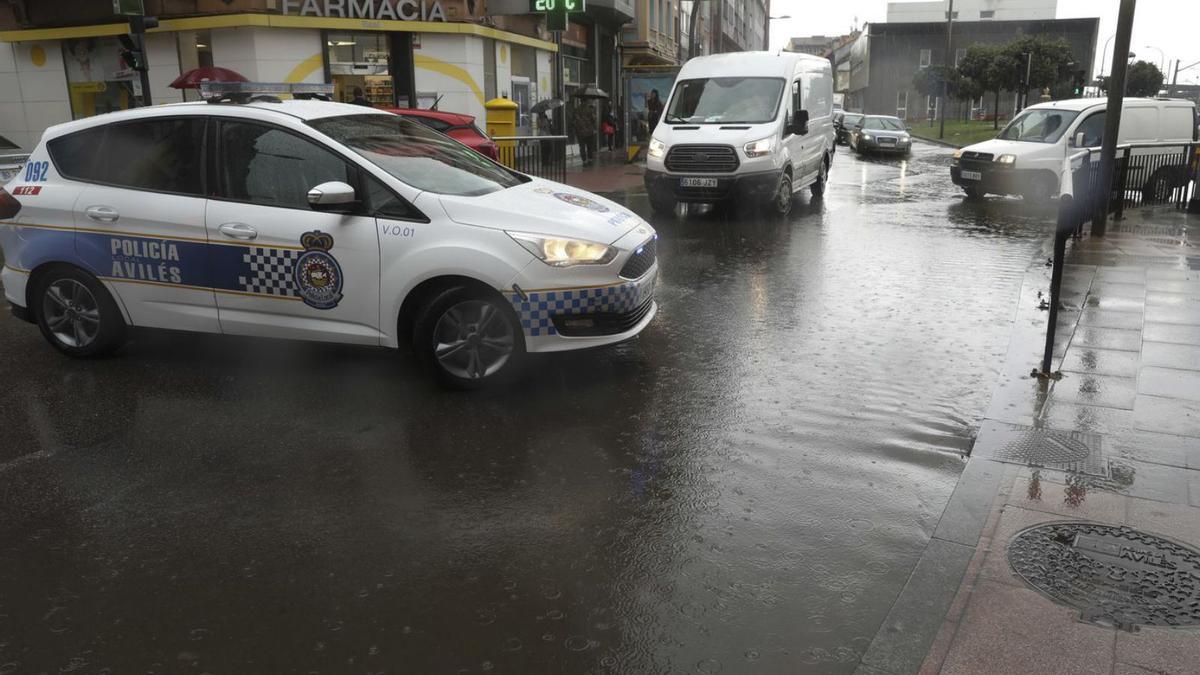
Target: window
x=954 y=18
x=1039 y=126
x=902 y=105
x=986 y=14
x=97 y=78
x=926 y=57
x=431 y=122
x=416 y=155
x=882 y=123
x=382 y=202
x=931 y=104
x=1092 y=129
x=161 y=155
x=272 y=167
x=959 y=55
x=728 y=100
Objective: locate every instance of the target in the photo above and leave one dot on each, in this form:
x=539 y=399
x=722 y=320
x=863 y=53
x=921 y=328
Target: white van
x=755 y=127
x=1027 y=157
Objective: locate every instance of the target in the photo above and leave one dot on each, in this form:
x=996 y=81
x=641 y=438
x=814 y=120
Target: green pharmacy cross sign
x=556 y=11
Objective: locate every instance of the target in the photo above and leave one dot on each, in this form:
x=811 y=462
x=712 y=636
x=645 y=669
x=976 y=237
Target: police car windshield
x=415 y=154
x=1039 y=126
x=725 y=100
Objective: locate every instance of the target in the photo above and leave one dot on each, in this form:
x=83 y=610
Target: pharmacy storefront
x=402 y=53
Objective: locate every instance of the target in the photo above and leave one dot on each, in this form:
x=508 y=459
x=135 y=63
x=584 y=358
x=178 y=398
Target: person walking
x=585 y=129
x=359 y=99
x=654 y=109
x=608 y=125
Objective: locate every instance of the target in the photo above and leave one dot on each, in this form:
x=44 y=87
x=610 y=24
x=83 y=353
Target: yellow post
x=502 y=121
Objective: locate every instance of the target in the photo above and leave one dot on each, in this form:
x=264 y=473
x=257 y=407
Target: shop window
x=97 y=78
x=359 y=65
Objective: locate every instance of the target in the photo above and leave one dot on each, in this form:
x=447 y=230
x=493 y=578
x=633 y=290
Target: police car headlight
x=758 y=148
x=1007 y=159
x=657 y=148
x=558 y=252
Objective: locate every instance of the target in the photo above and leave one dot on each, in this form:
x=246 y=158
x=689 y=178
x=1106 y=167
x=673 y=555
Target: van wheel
x=781 y=205
x=470 y=339
x=660 y=203
x=77 y=314
x=818 y=188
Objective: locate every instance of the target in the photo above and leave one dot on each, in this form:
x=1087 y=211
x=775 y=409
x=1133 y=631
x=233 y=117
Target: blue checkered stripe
x=537 y=310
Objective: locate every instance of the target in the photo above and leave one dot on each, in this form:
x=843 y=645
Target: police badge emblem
x=317 y=274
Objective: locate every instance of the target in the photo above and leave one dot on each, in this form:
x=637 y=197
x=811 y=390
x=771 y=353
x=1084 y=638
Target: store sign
x=377 y=10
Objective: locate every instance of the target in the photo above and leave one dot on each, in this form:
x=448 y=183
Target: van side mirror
x=1079 y=140
x=799 y=123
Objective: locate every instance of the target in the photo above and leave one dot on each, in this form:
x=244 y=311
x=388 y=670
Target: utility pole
x=1112 y=123
x=1174 y=80
x=946 y=72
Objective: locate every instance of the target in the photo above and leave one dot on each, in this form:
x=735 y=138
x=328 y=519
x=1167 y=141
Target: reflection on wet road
x=751 y=481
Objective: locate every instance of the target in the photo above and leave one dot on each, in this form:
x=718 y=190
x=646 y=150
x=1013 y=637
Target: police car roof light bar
x=245 y=92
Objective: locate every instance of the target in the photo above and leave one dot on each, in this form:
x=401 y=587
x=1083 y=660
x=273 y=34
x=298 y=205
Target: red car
x=459 y=127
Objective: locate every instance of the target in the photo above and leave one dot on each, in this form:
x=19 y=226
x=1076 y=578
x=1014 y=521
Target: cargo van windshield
x=725 y=100
x=1039 y=126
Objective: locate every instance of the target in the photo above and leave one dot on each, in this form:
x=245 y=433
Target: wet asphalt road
x=743 y=489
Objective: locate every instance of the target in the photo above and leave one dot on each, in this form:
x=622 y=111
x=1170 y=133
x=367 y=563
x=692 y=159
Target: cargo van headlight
x=759 y=148
x=560 y=252
x=1007 y=160
x=657 y=148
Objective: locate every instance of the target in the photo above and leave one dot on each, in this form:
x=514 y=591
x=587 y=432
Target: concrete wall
x=971 y=10
x=270 y=54
x=452 y=66
x=33 y=91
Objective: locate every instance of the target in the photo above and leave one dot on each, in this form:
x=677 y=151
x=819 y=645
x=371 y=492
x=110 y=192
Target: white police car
x=314 y=220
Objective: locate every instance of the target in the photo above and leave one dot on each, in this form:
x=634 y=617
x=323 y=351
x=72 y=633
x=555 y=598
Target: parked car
x=460 y=127
x=880 y=133
x=736 y=128
x=1027 y=157
x=314 y=220
x=844 y=123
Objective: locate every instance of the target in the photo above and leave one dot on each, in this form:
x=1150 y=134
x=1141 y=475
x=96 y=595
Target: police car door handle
x=238 y=231
x=102 y=214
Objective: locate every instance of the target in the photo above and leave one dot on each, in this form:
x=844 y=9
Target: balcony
x=649 y=48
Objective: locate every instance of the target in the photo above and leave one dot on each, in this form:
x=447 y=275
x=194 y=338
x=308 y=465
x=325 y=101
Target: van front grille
x=702 y=159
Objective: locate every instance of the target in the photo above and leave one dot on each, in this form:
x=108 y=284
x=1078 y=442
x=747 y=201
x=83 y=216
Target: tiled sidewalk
x=1129 y=352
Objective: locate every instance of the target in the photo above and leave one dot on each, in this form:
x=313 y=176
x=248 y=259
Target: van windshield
x=1038 y=126
x=725 y=100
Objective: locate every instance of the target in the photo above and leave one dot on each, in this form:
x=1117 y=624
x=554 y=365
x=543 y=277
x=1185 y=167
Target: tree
x=991 y=68
x=1143 y=79
x=1051 y=62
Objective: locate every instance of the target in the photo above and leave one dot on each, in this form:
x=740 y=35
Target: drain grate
x=1115 y=576
x=1077 y=452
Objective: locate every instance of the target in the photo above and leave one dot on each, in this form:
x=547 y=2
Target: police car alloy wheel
x=77 y=315
x=468 y=338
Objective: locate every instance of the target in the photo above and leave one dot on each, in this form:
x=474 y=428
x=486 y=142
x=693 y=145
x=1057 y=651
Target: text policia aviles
x=378 y=10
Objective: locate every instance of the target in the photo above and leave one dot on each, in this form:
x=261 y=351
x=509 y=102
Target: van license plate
x=972 y=175
x=698 y=182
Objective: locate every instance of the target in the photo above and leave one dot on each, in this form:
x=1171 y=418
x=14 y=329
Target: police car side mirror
x=332 y=196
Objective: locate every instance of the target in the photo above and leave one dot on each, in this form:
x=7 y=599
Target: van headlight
x=759 y=148
x=559 y=252
x=657 y=148
x=1007 y=159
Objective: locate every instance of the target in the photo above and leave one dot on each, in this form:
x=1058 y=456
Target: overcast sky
x=1170 y=25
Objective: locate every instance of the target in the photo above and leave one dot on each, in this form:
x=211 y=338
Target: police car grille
x=601 y=323
x=702 y=159
x=641 y=261
x=981 y=156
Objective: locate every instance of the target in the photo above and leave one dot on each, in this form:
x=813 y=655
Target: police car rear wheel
x=77 y=315
x=469 y=339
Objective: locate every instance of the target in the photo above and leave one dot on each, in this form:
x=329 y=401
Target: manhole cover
x=1066 y=451
x=1114 y=575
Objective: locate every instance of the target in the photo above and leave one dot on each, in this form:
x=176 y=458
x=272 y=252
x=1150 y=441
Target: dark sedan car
x=880 y=133
x=844 y=123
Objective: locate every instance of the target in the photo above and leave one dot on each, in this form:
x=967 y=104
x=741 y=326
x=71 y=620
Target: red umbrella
x=192 y=78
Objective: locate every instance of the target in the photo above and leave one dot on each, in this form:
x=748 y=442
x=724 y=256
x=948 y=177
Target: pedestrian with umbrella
x=585 y=122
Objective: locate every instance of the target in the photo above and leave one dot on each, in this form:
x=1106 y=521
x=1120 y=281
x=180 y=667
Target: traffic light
x=1078 y=82
x=131 y=54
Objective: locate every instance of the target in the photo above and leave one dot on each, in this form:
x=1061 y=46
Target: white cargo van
x=755 y=127
x=1027 y=157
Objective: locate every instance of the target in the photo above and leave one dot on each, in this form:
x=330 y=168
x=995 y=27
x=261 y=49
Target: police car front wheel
x=76 y=313
x=470 y=339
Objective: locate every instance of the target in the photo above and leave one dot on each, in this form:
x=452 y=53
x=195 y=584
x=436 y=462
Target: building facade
x=972 y=10
x=883 y=61
x=61 y=60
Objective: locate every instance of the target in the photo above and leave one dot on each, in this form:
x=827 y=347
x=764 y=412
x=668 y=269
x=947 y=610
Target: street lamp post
x=1162 y=58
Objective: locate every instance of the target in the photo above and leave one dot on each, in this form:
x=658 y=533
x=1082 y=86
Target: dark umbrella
x=192 y=78
x=546 y=105
x=592 y=92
